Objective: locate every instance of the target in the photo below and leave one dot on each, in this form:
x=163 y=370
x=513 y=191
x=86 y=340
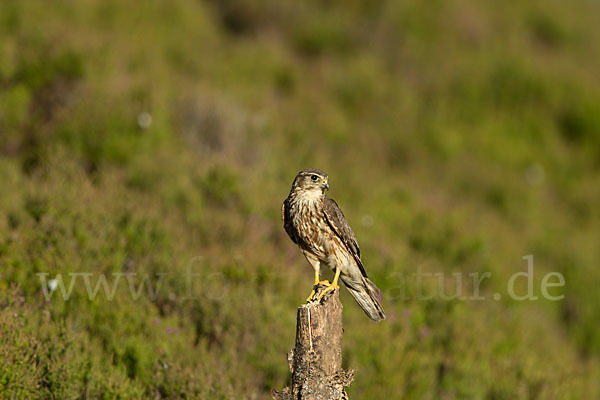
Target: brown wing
x=287 y=220
x=337 y=222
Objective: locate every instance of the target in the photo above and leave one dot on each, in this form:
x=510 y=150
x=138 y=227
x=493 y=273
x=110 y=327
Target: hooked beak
x=325 y=185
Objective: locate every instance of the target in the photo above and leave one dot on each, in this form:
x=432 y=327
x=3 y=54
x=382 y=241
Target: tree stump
x=316 y=360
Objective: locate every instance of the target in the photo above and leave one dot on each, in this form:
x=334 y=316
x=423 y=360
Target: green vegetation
x=154 y=137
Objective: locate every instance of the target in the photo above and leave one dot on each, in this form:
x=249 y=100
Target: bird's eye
x=314 y=178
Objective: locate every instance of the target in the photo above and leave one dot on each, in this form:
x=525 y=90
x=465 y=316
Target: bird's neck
x=307 y=198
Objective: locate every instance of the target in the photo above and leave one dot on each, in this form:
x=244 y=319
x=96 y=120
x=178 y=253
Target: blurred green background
x=136 y=136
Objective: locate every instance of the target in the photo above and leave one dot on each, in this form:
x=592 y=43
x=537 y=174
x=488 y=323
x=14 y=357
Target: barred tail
x=367 y=296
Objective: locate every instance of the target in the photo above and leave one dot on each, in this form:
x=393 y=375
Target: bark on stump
x=316 y=360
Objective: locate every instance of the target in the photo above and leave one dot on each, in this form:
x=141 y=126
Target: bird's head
x=311 y=180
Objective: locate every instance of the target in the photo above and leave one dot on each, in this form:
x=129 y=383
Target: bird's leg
x=317 y=281
x=312 y=293
x=316 y=266
x=332 y=286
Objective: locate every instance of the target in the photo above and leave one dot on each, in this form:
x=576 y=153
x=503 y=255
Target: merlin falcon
x=317 y=225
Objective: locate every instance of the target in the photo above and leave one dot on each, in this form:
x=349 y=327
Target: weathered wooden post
x=316 y=360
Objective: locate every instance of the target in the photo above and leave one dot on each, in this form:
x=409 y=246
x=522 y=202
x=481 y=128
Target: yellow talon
x=317 y=283
x=330 y=287
x=312 y=293
x=327 y=289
